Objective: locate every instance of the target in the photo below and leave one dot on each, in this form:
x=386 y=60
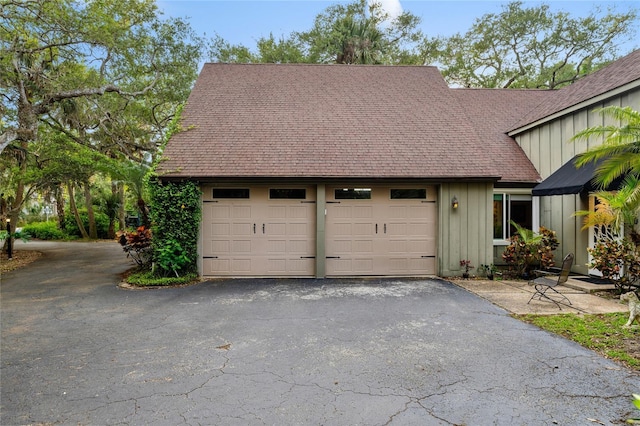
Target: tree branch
x=6 y=138
x=43 y=107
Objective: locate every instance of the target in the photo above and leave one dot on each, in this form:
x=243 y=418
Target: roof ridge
x=304 y=64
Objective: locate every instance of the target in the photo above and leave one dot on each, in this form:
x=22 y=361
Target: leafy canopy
x=520 y=47
x=353 y=33
x=531 y=47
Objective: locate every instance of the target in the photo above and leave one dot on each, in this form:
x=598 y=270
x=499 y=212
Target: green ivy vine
x=175 y=220
x=175 y=214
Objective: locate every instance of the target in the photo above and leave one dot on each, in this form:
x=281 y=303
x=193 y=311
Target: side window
x=498 y=217
x=508 y=207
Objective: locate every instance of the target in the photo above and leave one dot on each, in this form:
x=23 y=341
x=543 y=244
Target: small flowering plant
x=466 y=264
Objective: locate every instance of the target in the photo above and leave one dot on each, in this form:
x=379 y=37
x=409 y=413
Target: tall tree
x=353 y=33
x=530 y=47
x=108 y=74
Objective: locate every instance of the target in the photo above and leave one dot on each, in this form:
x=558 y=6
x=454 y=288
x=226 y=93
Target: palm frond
x=620 y=148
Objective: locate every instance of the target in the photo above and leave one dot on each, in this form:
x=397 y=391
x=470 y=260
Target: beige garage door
x=381 y=231
x=259 y=231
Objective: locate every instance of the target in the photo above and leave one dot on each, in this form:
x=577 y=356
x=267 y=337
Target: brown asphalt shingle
x=338 y=121
x=619 y=73
x=491 y=112
x=295 y=120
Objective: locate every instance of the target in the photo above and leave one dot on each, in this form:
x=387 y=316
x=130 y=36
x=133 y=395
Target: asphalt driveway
x=76 y=349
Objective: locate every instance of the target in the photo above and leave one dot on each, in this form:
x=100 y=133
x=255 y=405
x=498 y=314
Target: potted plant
x=466 y=264
x=489 y=270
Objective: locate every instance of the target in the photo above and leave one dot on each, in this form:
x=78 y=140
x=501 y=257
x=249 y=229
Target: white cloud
x=392 y=7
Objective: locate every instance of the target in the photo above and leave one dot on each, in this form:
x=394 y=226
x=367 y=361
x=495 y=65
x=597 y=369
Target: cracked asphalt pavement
x=79 y=350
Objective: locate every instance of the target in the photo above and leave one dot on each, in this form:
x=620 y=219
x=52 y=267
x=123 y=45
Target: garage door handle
x=376 y=228
x=385 y=228
x=254 y=228
x=333 y=257
x=263 y=228
x=307 y=257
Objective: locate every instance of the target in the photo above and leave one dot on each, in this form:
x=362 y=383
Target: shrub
x=148 y=278
x=102 y=224
x=44 y=231
x=172 y=257
x=618 y=261
x=137 y=245
x=527 y=250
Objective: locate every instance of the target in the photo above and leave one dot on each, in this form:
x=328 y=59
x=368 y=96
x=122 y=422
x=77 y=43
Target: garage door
x=381 y=231
x=259 y=231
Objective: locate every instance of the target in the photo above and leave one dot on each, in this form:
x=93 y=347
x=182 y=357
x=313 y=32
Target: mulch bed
x=19 y=259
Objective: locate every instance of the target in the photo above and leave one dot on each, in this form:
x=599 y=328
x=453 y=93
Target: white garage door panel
x=258 y=236
x=381 y=236
x=359 y=266
x=403 y=265
x=291 y=266
x=408 y=247
x=227 y=267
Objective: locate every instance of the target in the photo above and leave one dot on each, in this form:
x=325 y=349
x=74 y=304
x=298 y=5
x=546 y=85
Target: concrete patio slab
x=514 y=295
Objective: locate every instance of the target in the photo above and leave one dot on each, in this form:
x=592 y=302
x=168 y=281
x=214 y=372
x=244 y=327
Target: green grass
x=147 y=279
x=602 y=333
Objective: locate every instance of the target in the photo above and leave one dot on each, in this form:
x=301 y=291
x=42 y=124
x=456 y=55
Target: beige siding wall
x=465 y=232
x=549 y=147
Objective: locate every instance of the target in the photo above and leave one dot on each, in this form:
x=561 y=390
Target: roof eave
x=328 y=179
x=576 y=107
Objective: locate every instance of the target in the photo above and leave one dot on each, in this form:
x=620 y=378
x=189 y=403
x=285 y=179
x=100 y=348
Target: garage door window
x=408 y=194
x=353 y=194
x=287 y=193
x=230 y=193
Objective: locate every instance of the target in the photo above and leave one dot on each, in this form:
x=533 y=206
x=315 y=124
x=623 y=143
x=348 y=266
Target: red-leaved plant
x=137 y=245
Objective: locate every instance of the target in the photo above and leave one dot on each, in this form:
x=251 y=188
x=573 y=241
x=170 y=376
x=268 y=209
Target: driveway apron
x=77 y=349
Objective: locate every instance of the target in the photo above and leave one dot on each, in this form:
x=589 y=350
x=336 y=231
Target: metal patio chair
x=548 y=281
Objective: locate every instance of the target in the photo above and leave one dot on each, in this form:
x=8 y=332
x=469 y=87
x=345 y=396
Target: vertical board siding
x=549 y=146
x=466 y=232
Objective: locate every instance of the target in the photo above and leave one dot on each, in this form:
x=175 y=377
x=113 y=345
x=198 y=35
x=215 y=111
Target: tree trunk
x=113 y=213
x=121 y=211
x=16 y=206
x=3 y=217
x=144 y=211
x=74 y=210
x=60 y=207
x=93 y=231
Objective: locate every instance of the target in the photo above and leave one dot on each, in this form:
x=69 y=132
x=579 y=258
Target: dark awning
x=569 y=179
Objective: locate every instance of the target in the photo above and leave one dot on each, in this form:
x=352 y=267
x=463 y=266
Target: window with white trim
x=508 y=207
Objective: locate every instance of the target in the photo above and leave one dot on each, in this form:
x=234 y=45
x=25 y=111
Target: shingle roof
x=492 y=112
x=339 y=121
x=619 y=73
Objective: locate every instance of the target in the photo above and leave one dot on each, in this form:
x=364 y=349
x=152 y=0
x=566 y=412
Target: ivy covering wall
x=175 y=214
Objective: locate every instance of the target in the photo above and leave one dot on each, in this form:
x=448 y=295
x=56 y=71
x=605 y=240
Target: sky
x=245 y=21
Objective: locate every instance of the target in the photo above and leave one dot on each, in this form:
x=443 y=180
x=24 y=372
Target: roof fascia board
x=581 y=105
x=331 y=180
